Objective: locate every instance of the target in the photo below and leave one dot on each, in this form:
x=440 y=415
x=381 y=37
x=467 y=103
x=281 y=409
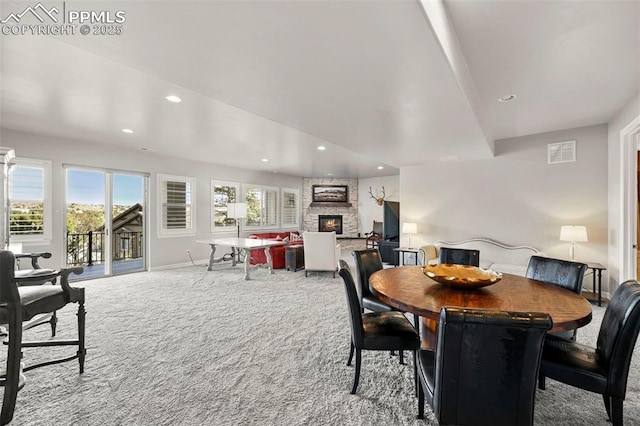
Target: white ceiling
x=376 y=82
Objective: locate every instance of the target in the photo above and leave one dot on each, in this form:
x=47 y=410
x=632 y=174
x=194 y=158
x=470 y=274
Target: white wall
x=615 y=200
x=162 y=251
x=515 y=197
x=368 y=209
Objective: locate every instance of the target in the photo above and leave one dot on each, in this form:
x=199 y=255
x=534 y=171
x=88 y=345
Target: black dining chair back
x=367 y=262
x=605 y=368
x=381 y=331
x=485 y=367
x=459 y=256
x=563 y=273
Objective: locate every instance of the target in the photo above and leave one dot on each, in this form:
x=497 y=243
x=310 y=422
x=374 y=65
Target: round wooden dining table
x=408 y=289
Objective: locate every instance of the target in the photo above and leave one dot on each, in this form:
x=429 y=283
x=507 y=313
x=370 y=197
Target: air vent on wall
x=561 y=152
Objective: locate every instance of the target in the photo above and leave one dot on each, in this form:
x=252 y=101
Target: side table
x=294 y=257
x=596 y=269
x=404 y=250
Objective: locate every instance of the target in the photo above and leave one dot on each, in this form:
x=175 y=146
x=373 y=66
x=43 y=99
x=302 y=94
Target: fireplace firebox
x=328 y=223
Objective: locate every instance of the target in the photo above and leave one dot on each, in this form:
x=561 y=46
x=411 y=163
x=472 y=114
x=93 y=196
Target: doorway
x=105 y=221
x=627 y=244
x=637 y=214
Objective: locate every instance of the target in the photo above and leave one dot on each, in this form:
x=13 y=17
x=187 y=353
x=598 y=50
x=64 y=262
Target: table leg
x=267 y=254
x=599 y=286
x=246 y=264
x=428 y=333
x=211 y=258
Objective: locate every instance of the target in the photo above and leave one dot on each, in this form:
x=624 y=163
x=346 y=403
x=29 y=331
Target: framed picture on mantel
x=329 y=193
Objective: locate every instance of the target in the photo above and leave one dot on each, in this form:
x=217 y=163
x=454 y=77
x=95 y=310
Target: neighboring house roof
x=132 y=217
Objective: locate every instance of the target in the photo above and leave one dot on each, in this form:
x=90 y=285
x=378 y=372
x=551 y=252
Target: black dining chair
x=602 y=369
x=458 y=256
x=484 y=369
x=367 y=262
x=378 y=331
x=563 y=273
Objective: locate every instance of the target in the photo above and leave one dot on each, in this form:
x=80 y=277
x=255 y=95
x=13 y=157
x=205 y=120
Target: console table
x=405 y=250
x=596 y=270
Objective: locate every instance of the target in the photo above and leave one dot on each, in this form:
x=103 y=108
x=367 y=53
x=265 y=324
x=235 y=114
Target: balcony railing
x=88 y=249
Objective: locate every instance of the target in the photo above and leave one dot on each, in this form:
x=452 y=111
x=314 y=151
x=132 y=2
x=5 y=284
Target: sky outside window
x=87 y=187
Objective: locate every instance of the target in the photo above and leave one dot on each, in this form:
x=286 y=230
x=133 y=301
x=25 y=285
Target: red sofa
x=277 y=252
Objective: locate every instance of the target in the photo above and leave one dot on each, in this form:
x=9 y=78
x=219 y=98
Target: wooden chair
x=485 y=367
x=21 y=299
x=374 y=236
x=379 y=331
x=35 y=269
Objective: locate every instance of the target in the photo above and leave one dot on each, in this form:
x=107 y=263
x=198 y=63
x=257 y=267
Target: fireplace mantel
x=330 y=204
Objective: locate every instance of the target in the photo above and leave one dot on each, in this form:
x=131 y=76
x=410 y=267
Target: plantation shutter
x=176 y=205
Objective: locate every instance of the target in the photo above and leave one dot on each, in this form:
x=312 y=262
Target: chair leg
x=607 y=405
x=401 y=357
x=53 y=322
x=420 y=400
x=14 y=355
x=542 y=383
x=356 y=377
x=416 y=383
x=616 y=411
x=81 y=327
x=350 y=355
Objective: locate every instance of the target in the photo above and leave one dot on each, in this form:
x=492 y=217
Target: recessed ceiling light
x=450 y=158
x=506 y=98
x=127 y=131
x=264 y=160
x=329 y=174
x=173 y=98
x=380 y=167
x=322 y=148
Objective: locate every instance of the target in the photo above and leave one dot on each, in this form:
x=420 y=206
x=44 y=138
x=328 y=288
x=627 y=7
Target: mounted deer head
x=378 y=200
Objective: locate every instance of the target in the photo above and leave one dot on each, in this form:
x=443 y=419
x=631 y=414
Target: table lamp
x=237 y=211
x=573 y=233
x=409 y=228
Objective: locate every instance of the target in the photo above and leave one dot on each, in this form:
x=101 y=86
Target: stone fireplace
x=328 y=223
x=312 y=211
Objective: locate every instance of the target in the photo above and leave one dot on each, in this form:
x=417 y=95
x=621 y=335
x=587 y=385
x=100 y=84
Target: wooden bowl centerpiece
x=463 y=277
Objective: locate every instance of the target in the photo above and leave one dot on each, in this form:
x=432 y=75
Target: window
x=176 y=199
x=222 y=193
x=262 y=206
x=30 y=209
x=290 y=213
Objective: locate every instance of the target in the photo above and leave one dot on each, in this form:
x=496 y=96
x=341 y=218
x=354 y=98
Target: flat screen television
x=391 y=220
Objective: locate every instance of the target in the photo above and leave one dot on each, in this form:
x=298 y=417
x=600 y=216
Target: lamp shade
x=236 y=210
x=409 y=228
x=573 y=233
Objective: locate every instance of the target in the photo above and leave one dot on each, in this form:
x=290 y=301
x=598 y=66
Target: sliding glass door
x=105 y=221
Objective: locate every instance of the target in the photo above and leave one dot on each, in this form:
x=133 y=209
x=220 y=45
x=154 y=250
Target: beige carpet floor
x=191 y=347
